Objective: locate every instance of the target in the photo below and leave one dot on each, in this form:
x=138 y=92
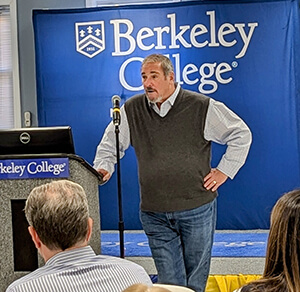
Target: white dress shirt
x=80 y=269
x=221 y=126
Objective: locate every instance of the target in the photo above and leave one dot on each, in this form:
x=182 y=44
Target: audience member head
x=58 y=215
x=145 y=288
x=282 y=264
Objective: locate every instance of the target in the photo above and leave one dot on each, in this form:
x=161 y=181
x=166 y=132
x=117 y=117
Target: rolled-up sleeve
x=223 y=126
x=105 y=157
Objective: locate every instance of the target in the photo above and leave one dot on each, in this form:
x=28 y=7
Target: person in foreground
x=60 y=228
x=282 y=265
x=145 y=288
x=171 y=130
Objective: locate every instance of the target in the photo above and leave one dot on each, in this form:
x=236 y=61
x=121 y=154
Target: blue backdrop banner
x=241 y=53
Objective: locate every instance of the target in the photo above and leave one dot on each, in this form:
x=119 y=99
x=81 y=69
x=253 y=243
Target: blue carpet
x=225 y=244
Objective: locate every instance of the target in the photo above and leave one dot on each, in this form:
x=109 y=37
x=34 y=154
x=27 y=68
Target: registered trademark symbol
x=234 y=64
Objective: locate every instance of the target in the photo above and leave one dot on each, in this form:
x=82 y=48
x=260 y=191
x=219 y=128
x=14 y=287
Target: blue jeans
x=181 y=244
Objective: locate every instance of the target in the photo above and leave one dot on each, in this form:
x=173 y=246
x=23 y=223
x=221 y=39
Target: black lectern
x=19 y=174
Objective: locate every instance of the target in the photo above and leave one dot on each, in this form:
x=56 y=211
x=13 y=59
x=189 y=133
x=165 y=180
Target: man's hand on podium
x=104 y=173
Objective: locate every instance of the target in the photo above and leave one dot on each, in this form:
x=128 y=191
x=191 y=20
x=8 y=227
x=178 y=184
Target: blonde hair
x=145 y=288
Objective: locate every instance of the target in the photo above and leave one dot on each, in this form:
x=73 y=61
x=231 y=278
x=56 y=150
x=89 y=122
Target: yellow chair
x=228 y=283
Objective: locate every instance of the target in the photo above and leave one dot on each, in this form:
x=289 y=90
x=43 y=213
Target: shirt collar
x=71 y=255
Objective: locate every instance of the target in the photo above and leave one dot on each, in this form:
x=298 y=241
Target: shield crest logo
x=90 y=38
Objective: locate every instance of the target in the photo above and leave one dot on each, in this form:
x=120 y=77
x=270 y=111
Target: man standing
x=171 y=130
x=60 y=228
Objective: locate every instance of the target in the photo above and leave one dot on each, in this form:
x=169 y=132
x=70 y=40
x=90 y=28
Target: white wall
x=26 y=49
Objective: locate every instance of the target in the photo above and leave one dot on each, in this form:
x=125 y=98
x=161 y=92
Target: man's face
x=157 y=86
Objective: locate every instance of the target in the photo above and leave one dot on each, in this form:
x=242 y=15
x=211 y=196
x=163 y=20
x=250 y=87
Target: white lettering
x=12 y=169
x=225 y=29
x=126 y=35
x=189 y=69
x=205 y=81
x=177 y=67
x=212 y=21
x=223 y=68
x=179 y=37
x=209 y=75
x=122 y=74
x=159 y=31
x=45 y=167
x=198 y=36
x=246 y=40
x=197 y=30
x=144 y=33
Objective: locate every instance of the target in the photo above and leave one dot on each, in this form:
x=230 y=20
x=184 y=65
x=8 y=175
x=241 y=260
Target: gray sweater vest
x=173 y=156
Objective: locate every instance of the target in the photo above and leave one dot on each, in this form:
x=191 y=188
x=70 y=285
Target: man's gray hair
x=164 y=61
x=59 y=213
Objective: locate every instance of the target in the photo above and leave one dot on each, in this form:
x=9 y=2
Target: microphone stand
x=121 y=222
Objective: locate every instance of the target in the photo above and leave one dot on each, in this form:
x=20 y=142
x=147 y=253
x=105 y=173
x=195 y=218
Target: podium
x=18 y=253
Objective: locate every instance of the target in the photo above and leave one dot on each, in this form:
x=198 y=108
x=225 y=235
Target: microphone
x=116 y=110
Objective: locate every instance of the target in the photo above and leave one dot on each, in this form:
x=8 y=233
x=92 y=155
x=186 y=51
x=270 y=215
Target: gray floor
x=219 y=265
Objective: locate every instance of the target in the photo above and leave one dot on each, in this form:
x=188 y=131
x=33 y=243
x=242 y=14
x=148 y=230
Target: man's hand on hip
x=214 y=179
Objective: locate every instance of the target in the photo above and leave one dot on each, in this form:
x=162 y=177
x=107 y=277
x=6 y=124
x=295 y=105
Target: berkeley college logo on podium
x=90 y=39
